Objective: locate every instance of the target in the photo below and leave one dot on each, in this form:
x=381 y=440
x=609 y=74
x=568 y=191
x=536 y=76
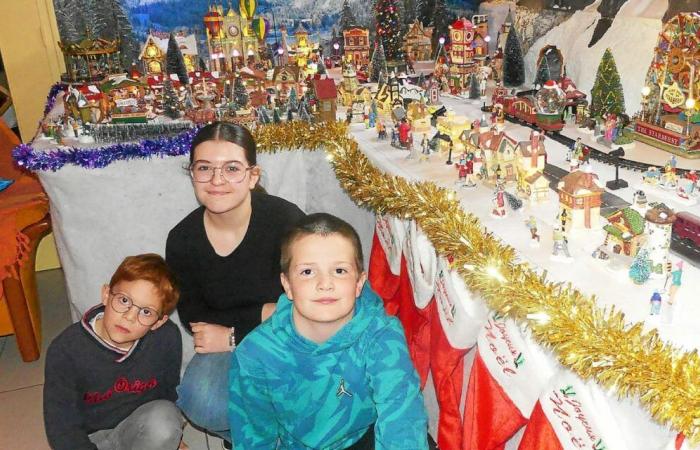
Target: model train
x=687 y=228
x=524 y=108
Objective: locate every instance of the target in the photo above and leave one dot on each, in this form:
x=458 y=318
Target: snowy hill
x=632 y=37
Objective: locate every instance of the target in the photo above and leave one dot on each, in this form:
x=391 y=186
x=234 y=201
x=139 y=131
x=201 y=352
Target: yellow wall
x=33 y=63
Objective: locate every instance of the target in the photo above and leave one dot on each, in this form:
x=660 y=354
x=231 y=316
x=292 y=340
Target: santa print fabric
x=416 y=287
x=506 y=379
x=386 y=261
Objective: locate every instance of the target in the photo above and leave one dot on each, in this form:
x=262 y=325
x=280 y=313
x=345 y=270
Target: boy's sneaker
x=226 y=445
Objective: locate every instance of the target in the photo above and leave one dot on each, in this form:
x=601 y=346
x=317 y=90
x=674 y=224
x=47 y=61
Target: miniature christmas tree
x=276 y=116
x=640 y=270
x=293 y=100
x=440 y=21
x=607 y=95
x=67 y=20
x=378 y=63
x=175 y=62
x=263 y=116
x=543 y=73
x=240 y=94
x=513 y=67
x=514 y=202
x=290 y=114
x=93 y=21
x=171 y=104
x=347 y=18
x=474 y=92
x=389 y=29
x=321 y=67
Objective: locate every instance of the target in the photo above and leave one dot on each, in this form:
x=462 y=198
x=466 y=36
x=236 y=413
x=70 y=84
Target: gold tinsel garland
x=594 y=343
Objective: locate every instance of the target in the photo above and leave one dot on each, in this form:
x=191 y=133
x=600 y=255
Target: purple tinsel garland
x=51 y=98
x=96 y=158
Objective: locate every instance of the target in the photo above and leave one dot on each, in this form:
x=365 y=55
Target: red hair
x=152 y=268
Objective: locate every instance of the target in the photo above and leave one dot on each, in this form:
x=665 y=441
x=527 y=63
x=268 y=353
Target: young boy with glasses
x=329 y=369
x=110 y=379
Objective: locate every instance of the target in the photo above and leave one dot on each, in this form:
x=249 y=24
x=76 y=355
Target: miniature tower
x=658 y=227
x=284 y=57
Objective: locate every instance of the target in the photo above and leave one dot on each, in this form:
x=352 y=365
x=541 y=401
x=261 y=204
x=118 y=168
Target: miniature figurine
x=482 y=85
x=348 y=115
x=404 y=129
x=655 y=301
x=499 y=201
x=465 y=168
x=394 y=136
x=560 y=244
x=675 y=277
x=563 y=217
x=531 y=224
x=381 y=130
x=372 y=119
x=412 y=150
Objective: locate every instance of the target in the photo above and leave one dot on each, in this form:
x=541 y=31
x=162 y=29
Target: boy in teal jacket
x=329 y=369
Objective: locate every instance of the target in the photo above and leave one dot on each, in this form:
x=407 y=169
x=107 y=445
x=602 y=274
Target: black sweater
x=230 y=290
x=90 y=385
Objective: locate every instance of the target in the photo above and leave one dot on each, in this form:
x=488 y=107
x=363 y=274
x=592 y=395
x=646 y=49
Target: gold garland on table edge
x=594 y=343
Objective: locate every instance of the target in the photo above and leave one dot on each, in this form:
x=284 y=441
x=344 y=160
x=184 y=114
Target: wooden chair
x=24 y=218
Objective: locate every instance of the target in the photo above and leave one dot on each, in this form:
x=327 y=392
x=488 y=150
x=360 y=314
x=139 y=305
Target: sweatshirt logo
x=342 y=390
x=121 y=386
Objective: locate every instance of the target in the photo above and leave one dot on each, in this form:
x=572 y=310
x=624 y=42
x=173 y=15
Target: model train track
x=595 y=153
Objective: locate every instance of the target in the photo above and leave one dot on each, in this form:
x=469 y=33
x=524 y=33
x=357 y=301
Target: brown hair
x=322 y=224
x=229 y=132
x=149 y=267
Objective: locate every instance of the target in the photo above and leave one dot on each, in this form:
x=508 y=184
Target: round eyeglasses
x=121 y=303
x=232 y=171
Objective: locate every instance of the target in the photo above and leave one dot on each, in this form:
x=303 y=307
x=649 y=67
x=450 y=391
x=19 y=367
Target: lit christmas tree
x=389 y=29
x=513 y=67
x=171 y=104
x=378 y=63
x=607 y=95
x=175 y=61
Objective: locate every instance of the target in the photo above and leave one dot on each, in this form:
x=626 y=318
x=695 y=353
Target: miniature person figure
x=348 y=115
x=655 y=301
x=413 y=150
x=531 y=224
x=576 y=150
x=499 y=201
x=465 y=167
x=675 y=276
x=404 y=129
x=563 y=217
x=74 y=125
x=372 y=119
x=394 y=136
x=482 y=85
x=560 y=245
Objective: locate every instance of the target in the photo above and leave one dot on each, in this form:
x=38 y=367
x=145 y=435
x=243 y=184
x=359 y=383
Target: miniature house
x=624 y=232
x=356 y=45
x=326 y=94
x=580 y=196
x=417 y=41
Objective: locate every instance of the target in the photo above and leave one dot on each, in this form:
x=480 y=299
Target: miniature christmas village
x=448 y=92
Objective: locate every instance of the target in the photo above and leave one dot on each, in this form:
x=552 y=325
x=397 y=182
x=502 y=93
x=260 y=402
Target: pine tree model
x=240 y=94
x=543 y=73
x=378 y=63
x=171 y=104
x=440 y=21
x=347 y=18
x=606 y=95
x=175 y=63
x=513 y=67
x=640 y=270
x=474 y=92
x=293 y=99
x=389 y=29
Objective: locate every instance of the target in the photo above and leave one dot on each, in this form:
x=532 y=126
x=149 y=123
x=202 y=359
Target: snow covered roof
x=187 y=44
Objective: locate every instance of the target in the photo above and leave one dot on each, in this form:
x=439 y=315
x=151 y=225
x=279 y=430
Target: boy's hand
x=210 y=338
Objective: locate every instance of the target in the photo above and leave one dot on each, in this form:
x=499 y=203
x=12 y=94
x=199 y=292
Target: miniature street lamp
x=617 y=183
x=441 y=41
x=689 y=107
x=280 y=51
x=646 y=90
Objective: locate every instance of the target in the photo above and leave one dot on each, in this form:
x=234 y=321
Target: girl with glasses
x=226 y=257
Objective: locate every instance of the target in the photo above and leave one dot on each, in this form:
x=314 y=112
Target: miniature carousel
x=670 y=117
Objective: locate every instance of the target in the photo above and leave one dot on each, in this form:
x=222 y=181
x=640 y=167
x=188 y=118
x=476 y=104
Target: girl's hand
x=210 y=338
